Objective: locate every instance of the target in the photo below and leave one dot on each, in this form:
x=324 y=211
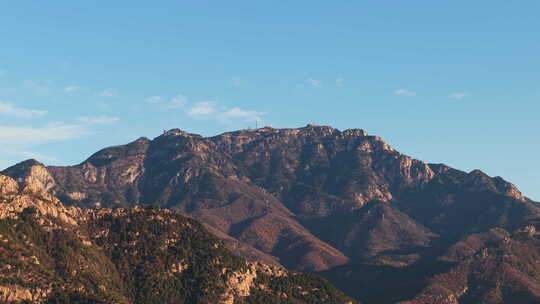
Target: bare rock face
x=13 y=202
x=18 y=294
x=32 y=174
x=8 y=186
x=240 y=284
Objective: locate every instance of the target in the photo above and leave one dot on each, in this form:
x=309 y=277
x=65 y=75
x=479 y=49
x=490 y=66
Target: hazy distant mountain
x=376 y=222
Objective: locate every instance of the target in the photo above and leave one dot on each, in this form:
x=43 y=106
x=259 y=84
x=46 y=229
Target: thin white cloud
x=98 y=120
x=404 y=92
x=10 y=109
x=178 y=101
x=203 y=109
x=72 y=89
x=313 y=82
x=3 y=72
x=109 y=93
x=209 y=110
x=154 y=99
x=25 y=136
x=236 y=114
x=340 y=82
x=457 y=95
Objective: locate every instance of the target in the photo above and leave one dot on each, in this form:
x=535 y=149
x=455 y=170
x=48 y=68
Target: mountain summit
x=311 y=199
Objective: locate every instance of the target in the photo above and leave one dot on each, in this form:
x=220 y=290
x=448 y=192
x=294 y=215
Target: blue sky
x=455 y=81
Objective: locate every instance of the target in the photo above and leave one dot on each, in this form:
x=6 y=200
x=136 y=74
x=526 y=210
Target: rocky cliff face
x=314 y=198
x=53 y=254
x=15 y=200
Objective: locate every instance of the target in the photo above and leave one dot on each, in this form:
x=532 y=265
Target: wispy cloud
x=109 y=93
x=175 y=102
x=22 y=139
x=404 y=92
x=10 y=109
x=340 y=82
x=72 y=89
x=210 y=110
x=154 y=99
x=178 y=101
x=233 y=114
x=457 y=95
x=203 y=109
x=98 y=120
x=313 y=82
x=3 y=72
x=26 y=135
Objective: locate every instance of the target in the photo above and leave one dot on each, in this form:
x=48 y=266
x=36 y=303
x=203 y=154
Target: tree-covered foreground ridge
x=383 y=227
x=50 y=253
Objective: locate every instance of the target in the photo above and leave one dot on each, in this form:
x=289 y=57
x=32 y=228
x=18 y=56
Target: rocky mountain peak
x=108 y=155
x=23 y=168
x=355 y=132
x=478 y=174
x=178 y=132
x=33 y=174
x=508 y=189
x=316 y=130
x=142 y=139
x=265 y=129
x=32 y=196
x=477 y=179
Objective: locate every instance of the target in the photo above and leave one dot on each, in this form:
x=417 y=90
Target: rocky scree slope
x=50 y=253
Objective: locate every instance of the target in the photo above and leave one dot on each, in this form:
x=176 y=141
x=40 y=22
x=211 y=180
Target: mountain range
x=380 y=225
